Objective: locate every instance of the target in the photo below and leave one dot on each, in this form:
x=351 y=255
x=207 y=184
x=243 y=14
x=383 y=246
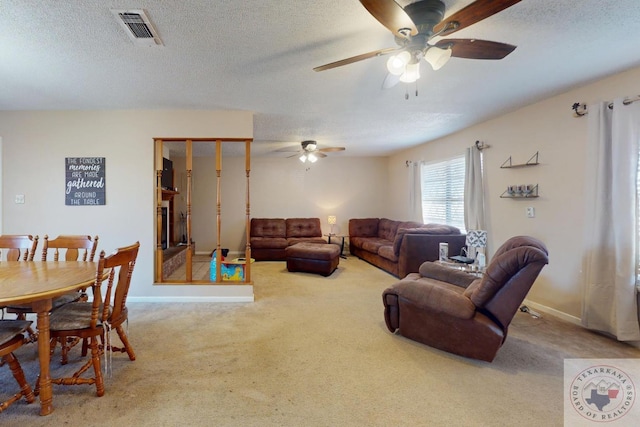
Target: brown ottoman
x=316 y=258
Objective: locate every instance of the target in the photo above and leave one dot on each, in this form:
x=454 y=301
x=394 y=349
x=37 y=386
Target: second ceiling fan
x=416 y=24
x=310 y=152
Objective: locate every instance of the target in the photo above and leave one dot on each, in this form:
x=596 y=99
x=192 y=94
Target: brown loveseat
x=269 y=237
x=400 y=247
x=459 y=313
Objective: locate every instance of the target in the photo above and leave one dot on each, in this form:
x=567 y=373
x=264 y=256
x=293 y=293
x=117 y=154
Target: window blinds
x=443 y=192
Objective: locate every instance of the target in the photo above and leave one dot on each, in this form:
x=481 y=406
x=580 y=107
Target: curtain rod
x=479 y=145
x=580 y=109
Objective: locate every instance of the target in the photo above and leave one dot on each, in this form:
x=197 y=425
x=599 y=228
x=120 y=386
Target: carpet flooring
x=312 y=351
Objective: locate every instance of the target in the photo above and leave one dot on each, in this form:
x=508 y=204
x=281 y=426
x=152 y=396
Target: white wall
x=348 y=187
x=35 y=145
x=550 y=128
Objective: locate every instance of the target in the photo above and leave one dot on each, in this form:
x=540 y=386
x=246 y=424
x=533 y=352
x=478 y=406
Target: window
x=443 y=192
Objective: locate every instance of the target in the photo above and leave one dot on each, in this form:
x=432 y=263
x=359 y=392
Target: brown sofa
x=400 y=247
x=270 y=237
x=460 y=313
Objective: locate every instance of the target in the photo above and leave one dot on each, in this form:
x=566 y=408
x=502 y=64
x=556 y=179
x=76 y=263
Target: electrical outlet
x=531 y=212
x=20 y=198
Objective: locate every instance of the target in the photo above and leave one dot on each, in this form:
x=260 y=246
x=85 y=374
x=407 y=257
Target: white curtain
x=415 y=191
x=609 y=290
x=473 y=190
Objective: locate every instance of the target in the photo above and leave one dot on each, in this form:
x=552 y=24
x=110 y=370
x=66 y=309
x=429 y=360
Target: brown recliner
x=459 y=313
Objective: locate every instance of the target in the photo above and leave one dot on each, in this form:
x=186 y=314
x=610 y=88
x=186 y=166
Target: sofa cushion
x=387 y=229
x=386 y=251
x=294 y=240
x=433 y=270
x=434 y=295
x=363 y=227
x=373 y=244
x=268 y=242
x=268 y=227
x=441 y=228
x=435 y=229
x=303 y=227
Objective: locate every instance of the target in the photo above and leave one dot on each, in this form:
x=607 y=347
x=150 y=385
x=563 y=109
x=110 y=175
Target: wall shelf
x=515 y=194
x=531 y=162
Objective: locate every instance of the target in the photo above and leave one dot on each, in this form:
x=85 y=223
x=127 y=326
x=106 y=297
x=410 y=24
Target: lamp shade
x=437 y=57
x=476 y=238
x=331 y=219
x=411 y=73
x=397 y=63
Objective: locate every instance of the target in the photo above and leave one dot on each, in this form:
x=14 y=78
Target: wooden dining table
x=37 y=283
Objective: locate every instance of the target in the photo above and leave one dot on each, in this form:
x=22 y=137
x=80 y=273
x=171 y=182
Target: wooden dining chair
x=72 y=248
x=93 y=320
x=11 y=339
x=18 y=247
x=68 y=248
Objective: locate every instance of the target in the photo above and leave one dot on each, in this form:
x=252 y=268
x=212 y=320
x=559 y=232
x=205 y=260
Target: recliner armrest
x=436 y=271
x=427 y=294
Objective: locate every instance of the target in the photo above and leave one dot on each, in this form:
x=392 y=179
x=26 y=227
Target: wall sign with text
x=84 y=181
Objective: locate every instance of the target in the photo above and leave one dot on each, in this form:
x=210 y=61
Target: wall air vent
x=138 y=26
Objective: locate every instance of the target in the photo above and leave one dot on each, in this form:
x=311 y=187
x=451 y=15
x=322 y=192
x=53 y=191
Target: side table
x=342 y=236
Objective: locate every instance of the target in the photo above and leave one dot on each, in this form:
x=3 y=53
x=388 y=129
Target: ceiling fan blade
x=330 y=149
x=469 y=15
x=288 y=150
x=476 y=49
x=391 y=15
x=294 y=155
x=357 y=58
x=390 y=81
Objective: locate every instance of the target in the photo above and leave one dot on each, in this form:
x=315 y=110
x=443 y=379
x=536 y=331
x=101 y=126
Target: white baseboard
x=543 y=308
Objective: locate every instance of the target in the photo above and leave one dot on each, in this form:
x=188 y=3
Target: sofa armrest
x=433 y=270
x=415 y=249
x=429 y=295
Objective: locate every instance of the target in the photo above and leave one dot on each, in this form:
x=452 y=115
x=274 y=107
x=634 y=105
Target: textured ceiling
x=258 y=55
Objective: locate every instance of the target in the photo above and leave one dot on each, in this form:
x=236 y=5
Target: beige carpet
x=313 y=351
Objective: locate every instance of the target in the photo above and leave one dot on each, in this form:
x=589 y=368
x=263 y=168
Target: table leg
x=43 y=308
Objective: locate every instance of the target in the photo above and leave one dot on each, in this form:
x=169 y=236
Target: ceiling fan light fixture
x=397 y=64
x=309 y=145
x=437 y=57
x=312 y=158
x=411 y=74
x=303 y=158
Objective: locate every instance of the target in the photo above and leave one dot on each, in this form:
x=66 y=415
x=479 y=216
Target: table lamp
x=476 y=239
x=332 y=221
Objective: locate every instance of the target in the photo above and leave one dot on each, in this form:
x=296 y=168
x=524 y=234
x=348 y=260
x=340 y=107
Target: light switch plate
x=531 y=212
x=20 y=198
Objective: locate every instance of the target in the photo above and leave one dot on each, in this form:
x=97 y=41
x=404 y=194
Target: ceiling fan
x=310 y=152
x=416 y=24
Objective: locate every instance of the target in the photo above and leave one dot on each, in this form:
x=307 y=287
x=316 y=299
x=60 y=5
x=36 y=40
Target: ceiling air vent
x=138 y=27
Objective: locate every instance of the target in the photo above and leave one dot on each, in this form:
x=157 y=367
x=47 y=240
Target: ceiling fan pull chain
x=406 y=93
